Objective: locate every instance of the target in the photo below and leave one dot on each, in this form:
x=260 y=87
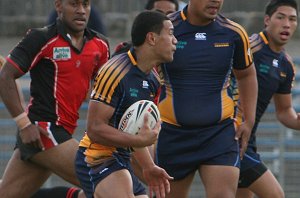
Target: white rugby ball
x=133 y=118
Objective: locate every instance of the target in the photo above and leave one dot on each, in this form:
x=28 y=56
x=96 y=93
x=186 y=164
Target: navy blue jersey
x=120 y=83
x=195 y=91
x=275 y=74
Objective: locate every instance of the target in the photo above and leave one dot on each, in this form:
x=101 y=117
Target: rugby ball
x=133 y=118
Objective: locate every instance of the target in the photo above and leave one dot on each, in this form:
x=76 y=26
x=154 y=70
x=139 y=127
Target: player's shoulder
x=117 y=64
x=255 y=37
x=258 y=41
x=93 y=34
x=41 y=35
x=122 y=48
x=232 y=25
x=175 y=17
x=288 y=58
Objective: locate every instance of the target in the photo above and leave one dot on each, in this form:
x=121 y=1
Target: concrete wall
x=16 y=16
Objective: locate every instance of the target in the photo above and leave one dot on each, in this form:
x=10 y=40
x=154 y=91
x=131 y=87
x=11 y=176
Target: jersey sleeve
x=242 y=57
x=286 y=86
x=27 y=50
x=104 y=54
x=108 y=84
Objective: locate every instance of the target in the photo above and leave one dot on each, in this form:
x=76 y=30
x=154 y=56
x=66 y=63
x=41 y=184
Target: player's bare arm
x=247 y=84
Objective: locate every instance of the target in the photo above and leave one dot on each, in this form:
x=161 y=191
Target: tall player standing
x=198 y=132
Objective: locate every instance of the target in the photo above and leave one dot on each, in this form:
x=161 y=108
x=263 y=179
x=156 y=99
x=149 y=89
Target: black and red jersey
x=60 y=73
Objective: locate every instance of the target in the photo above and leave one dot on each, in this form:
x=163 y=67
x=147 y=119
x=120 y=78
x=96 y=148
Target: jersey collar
x=264 y=37
x=183 y=13
x=62 y=31
x=88 y=35
x=132 y=56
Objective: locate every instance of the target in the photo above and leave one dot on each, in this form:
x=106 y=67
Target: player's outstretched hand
x=158 y=181
x=31 y=135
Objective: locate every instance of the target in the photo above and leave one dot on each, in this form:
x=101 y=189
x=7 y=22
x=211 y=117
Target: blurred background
x=279 y=146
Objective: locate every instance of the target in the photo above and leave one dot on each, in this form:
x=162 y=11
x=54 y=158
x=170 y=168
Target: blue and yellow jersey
x=196 y=84
x=275 y=74
x=119 y=83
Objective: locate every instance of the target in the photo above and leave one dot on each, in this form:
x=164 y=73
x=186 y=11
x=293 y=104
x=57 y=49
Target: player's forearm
x=289 y=118
x=143 y=157
x=109 y=136
x=10 y=95
x=248 y=97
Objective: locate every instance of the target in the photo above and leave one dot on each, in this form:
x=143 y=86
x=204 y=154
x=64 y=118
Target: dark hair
x=150 y=4
x=146 y=21
x=273 y=5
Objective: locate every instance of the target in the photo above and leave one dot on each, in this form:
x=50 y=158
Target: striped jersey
x=60 y=73
x=120 y=83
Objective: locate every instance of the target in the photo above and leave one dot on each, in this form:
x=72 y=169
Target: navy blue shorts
x=89 y=177
x=180 y=151
x=251 y=169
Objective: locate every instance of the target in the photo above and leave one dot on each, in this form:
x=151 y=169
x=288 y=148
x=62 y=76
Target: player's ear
x=267 y=19
x=58 y=6
x=151 y=38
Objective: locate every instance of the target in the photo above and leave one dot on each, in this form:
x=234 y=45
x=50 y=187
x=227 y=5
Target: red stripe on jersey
x=71 y=192
x=14 y=64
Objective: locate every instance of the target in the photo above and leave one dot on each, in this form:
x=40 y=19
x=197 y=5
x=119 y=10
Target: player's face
x=166 y=42
x=281 y=25
x=74 y=14
x=166 y=7
x=202 y=12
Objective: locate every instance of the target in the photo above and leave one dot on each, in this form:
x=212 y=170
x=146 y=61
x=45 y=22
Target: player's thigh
x=60 y=160
x=267 y=186
x=21 y=178
x=219 y=180
x=117 y=185
x=244 y=193
x=180 y=188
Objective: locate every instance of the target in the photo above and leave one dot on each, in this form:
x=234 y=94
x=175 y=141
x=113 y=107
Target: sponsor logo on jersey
x=275 y=63
x=181 y=44
x=145 y=84
x=200 y=36
x=61 y=53
x=264 y=68
x=78 y=63
x=133 y=92
x=221 y=44
x=282 y=74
